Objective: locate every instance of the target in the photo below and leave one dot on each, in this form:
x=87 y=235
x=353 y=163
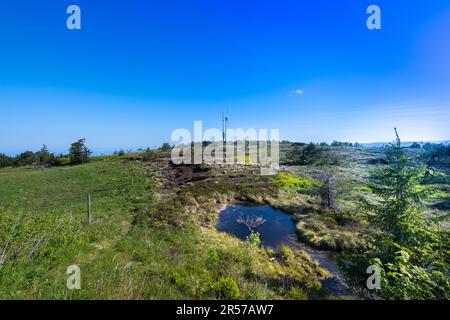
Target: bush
x=6 y=161
x=297 y=294
x=254 y=238
x=306 y=155
x=436 y=155
x=24 y=159
x=165 y=147
x=28 y=158
x=44 y=157
x=228 y=289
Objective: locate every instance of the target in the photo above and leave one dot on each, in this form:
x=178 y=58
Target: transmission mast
x=225 y=122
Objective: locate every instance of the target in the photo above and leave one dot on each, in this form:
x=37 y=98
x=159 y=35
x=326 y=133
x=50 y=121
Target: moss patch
x=292 y=182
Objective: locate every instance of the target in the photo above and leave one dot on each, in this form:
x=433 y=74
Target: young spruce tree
x=402 y=243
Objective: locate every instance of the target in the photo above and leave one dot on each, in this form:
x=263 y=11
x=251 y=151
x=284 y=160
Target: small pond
x=275 y=228
x=278 y=227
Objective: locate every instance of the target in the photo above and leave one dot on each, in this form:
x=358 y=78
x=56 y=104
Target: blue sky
x=140 y=69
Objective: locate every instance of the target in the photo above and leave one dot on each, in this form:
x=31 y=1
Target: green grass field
x=43 y=231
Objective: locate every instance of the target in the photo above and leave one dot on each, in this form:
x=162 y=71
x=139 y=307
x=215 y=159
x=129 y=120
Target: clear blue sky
x=140 y=69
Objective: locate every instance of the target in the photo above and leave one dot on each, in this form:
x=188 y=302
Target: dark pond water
x=278 y=228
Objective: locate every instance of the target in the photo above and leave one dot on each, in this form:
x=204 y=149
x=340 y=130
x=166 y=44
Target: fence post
x=89 y=209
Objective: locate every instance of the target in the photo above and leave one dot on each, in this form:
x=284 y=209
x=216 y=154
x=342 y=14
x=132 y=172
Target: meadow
x=43 y=231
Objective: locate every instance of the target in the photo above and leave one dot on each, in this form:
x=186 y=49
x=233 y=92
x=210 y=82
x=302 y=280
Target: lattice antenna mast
x=223 y=127
x=227 y=121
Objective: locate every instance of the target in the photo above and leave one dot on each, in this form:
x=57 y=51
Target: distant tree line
x=436 y=155
x=335 y=143
x=433 y=155
x=345 y=144
x=78 y=154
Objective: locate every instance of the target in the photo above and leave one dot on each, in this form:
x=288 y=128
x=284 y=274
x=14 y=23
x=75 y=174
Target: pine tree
x=78 y=152
x=399 y=214
x=44 y=156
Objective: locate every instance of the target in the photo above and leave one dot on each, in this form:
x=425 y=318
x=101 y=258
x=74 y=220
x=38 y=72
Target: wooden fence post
x=89 y=209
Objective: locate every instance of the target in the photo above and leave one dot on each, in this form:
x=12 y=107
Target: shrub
x=25 y=158
x=43 y=156
x=165 y=147
x=6 y=161
x=228 y=289
x=306 y=155
x=297 y=294
x=254 y=238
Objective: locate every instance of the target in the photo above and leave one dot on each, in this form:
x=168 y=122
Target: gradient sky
x=140 y=69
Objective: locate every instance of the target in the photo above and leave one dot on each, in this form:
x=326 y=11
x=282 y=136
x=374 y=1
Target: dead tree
x=328 y=190
x=251 y=222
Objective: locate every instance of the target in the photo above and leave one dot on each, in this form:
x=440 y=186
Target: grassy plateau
x=125 y=253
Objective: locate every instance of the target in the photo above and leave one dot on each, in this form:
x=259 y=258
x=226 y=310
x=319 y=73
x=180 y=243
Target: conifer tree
x=407 y=248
